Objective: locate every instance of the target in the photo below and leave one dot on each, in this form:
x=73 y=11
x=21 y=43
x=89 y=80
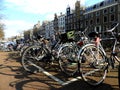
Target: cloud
x=41 y=6
x=44 y=9
x=15 y=27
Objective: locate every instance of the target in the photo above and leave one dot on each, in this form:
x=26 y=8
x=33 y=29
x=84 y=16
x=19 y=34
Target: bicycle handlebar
x=111 y=30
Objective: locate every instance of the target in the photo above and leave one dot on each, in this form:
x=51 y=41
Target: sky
x=21 y=15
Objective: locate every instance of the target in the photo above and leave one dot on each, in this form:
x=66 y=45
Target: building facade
x=74 y=18
x=49 y=29
x=61 y=23
x=69 y=19
x=42 y=30
x=55 y=23
x=102 y=16
x=98 y=17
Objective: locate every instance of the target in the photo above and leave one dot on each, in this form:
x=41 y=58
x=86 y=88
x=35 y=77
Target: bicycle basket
x=67 y=37
x=70 y=35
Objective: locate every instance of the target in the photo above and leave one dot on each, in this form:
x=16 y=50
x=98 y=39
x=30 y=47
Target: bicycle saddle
x=93 y=34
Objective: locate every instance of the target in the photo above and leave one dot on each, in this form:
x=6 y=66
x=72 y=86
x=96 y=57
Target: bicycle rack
x=55 y=78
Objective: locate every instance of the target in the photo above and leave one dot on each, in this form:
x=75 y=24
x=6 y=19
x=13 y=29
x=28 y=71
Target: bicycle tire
x=118 y=56
x=119 y=75
x=22 y=50
x=92 y=64
x=67 y=55
x=31 y=57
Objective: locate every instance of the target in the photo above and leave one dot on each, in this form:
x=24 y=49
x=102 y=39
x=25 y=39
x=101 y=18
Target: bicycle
x=38 y=55
x=35 y=41
x=96 y=62
x=68 y=54
x=41 y=55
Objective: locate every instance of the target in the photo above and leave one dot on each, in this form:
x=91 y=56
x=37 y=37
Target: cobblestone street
x=14 y=77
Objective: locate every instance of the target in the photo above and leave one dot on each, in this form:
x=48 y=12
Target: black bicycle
x=36 y=56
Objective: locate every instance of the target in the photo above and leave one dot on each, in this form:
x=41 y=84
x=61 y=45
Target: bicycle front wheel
x=92 y=64
x=68 y=59
x=32 y=58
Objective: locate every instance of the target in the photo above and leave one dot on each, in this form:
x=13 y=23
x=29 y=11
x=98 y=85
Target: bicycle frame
x=113 y=55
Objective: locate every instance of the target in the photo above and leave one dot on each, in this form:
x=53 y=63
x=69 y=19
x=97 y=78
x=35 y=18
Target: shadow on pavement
x=81 y=85
x=47 y=85
x=42 y=82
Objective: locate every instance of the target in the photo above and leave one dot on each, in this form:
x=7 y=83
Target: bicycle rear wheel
x=32 y=58
x=92 y=65
x=68 y=59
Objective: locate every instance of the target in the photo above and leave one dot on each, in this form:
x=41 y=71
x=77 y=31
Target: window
x=112 y=17
x=97 y=13
x=98 y=29
x=112 y=9
x=97 y=20
x=101 y=4
x=91 y=21
x=94 y=6
x=105 y=19
x=105 y=11
x=86 y=23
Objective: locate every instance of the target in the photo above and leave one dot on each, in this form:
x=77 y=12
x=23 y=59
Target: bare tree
x=1 y=31
x=2 y=34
